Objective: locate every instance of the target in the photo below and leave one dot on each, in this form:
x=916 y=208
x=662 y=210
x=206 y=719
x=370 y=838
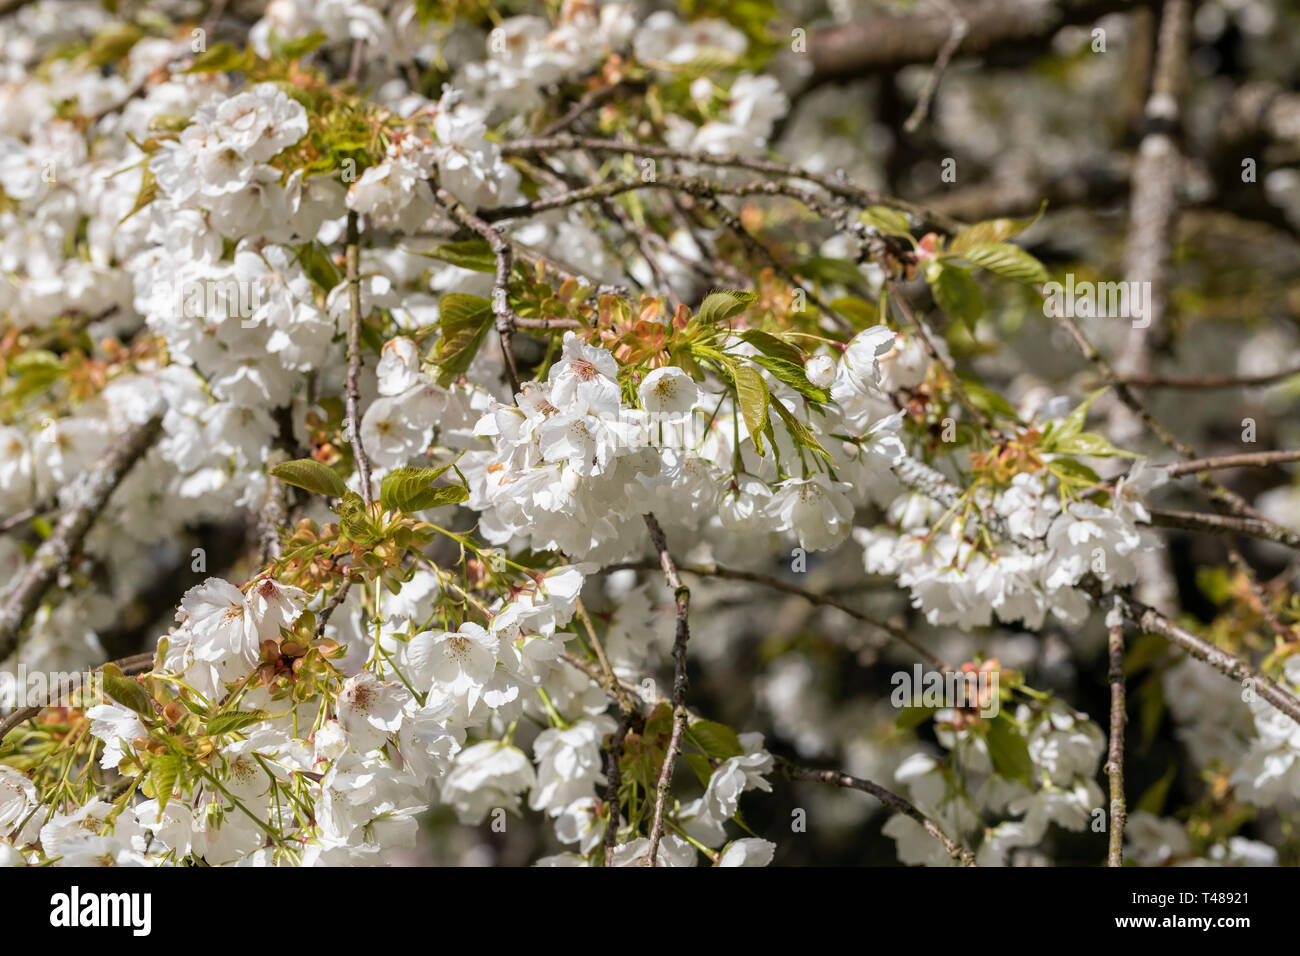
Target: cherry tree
x=422 y=422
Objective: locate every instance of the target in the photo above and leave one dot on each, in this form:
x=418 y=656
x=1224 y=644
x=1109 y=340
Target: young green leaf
x=883 y=219
x=235 y=720
x=993 y=230
x=1006 y=260
x=411 y=489
x=718 y=307
x=717 y=740
x=957 y=295
x=473 y=254
x=1009 y=751
x=753 y=397
x=126 y=691
x=464 y=321
x=792 y=374
x=310 y=475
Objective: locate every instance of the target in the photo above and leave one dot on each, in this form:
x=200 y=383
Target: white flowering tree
x=516 y=431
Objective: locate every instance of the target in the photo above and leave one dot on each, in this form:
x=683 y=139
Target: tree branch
x=507 y=320
x=682 y=597
x=86 y=498
x=135 y=664
x=354 y=355
x=776 y=584
x=1152 y=621
x=1115 y=754
x=890 y=799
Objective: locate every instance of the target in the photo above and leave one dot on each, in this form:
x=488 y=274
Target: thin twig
x=832 y=184
x=776 y=584
x=1225 y=524
x=682 y=598
x=614 y=782
x=1257 y=459
x=890 y=799
x=1115 y=753
x=959 y=29
x=507 y=320
x=1209 y=381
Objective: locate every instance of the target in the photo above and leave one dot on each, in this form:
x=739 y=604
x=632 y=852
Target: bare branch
x=507 y=320
x=682 y=597
x=776 y=584
x=1153 y=622
x=887 y=797
x=354 y=354
x=1115 y=753
x=87 y=498
x=135 y=664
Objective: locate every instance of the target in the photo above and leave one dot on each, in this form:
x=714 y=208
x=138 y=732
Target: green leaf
x=147 y=194
x=353 y=520
x=235 y=720
x=883 y=219
x=310 y=475
x=993 y=230
x=958 y=295
x=163 y=773
x=913 y=717
x=464 y=321
x=318 y=265
x=1075 y=470
x=1009 y=751
x=989 y=401
x=293 y=49
x=473 y=254
x=754 y=398
x=835 y=271
x=1006 y=260
x=792 y=374
x=1153 y=800
x=799 y=431
x=769 y=344
x=1151 y=705
x=409 y=489
x=126 y=691
x=1072 y=424
x=1090 y=443
x=113 y=43
x=717 y=740
x=219 y=58
x=858 y=311
x=700 y=764
x=718 y=307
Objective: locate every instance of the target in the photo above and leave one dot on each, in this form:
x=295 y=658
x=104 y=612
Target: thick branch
x=86 y=499
x=884 y=44
x=354 y=354
x=1153 y=622
x=1225 y=524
